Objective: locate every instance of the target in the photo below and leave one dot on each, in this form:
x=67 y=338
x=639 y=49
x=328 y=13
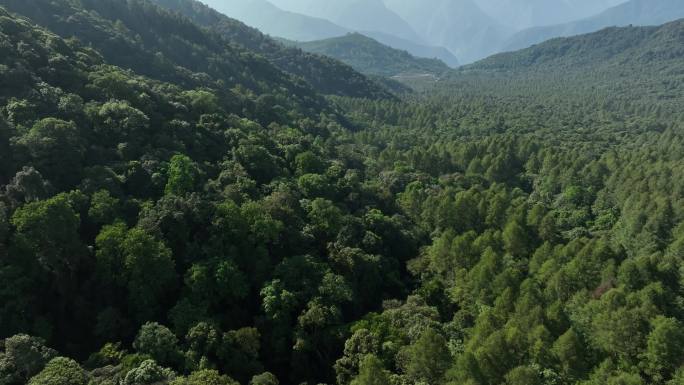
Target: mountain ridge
x=339 y=78
x=633 y=12
x=274 y=21
x=368 y=56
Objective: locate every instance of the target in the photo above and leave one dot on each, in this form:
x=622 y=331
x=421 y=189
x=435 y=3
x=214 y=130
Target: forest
x=197 y=211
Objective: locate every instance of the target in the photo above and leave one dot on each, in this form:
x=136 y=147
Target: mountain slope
x=415 y=49
x=644 y=65
x=633 y=12
x=356 y=15
x=327 y=76
x=274 y=21
x=459 y=25
x=164 y=46
x=370 y=57
x=287 y=25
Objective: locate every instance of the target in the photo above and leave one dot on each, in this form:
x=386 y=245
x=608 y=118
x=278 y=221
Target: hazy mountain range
x=520 y=14
x=451 y=30
x=633 y=12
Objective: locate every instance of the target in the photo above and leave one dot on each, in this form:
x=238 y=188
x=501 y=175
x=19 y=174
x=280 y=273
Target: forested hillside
x=326 y=76
x=165 y=46
x=639 y=65
x=370 y=57
x=175 y=209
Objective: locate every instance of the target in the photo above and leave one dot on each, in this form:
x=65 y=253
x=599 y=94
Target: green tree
x=148 y=373
x=570 y=352
x=308 y=163
x=104 y=208
x=49 y=229
x=158 y=342
x=523 y=375
x=371 y=372
x=61 y=371
x=117 y=121
x=205 y=377
x=428 y=358
x=125 y=258
x=201 y=101
x=23 y=357
x=665 y=348
x=56 y=150
x=182 y=175
x=516 y=240
x=264 y=379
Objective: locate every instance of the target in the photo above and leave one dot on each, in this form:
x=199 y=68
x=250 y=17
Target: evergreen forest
x=186 y=201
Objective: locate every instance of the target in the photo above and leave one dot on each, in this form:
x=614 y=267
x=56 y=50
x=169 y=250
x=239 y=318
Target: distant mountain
x=459 y=25
x=521 y=14
x=622 y=52
x=415 y=49
x=633 y=12
x=274 y=21
x=373 y=58
x=356 y=15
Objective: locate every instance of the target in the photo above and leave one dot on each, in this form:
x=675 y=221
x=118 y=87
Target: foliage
x=189 y=213
x=60 y=371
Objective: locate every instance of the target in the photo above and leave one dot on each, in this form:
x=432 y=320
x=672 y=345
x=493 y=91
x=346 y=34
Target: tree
x=264 y=379
x=158 y=342
x=371 y=372
x=27 y=185
x=259 y=162
x=569 y=350
x=60 y=371
x=523 y=375
x=665 y=348
x=148 y=373
x=516 y=240
x=117 y=121
x=428 y=358
x=325 y=218
x=182 y=175
x=24 y=357
x=308 y=163
x=314 y=185
x=205 y=377
x=124 y=259
x=104 y=208
x=49 y=229
x=239 y=353
x=56 y=150
x=203 y=340
x=201 y=101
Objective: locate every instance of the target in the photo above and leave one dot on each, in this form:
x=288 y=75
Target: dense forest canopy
x=194 y=211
